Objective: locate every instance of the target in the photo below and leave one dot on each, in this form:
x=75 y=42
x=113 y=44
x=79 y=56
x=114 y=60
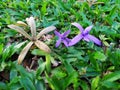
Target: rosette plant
x=33 y=38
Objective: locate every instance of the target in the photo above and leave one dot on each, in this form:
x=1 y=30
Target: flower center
x=84 y=34
x=63 y=38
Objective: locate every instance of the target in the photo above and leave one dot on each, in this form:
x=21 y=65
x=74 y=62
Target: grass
x=84 y=66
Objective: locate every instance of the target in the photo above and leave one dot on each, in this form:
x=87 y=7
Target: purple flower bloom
x=62 y=38
x=84 y=35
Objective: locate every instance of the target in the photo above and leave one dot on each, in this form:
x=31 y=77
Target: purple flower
x=84 y=35
x=62 y=38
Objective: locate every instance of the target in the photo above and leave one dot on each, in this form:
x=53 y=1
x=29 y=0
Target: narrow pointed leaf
x=31 y=23
x=45 y=31
x=20 y=30
x=48 y=62
x=24 y=52
x=42 y=46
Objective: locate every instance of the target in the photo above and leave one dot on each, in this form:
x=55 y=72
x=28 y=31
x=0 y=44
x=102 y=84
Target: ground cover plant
x=80 y=52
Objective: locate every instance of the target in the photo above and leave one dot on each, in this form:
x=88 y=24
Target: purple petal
x=87 y=30
x=57 y=33
x=66 y=33
x=58 y=42
x=86 y=39
x=67 y=39
x=65 y=42
x=75 y=40
x=94 y=39
x=78 y=26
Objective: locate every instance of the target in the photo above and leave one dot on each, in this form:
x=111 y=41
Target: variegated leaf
x=45 y=31
x=24 y=52
x=31 y=23
x=42 y=46
x=20 y=30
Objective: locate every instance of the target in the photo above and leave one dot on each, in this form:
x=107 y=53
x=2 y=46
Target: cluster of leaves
x=80 y=67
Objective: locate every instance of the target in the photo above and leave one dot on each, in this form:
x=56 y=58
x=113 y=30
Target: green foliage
x=84 y=66
x=6 y=54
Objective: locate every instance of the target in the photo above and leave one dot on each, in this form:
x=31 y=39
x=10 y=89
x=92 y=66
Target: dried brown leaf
x=24 y=52
x=20 y=30
x=45 y=31
x=31 y=23
x=20 y=23
x=42 y=46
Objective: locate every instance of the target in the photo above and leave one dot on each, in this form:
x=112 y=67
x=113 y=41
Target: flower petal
x=86 y=39
x=58 y=42
x=87 y=30
x=66 y=33
x=65 y=43
x=67 y=39
x=31 y=23
x=75 y=40
x=78 y=26
x=94 y=39
x=57 y=33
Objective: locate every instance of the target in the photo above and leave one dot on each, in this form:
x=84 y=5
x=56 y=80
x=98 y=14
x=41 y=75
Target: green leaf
x=84 y=85
x=58 y=72
x=114 y=85
x=2 y=66
x=44 y=7
x=112 y=77
x=13 y=74
x=10 y=50
x=14 y=81
x=40 y=85
x=53 y=82
x=1 y=48
x=14 y=84
x=27 y=83
x=41 y=68
x=23 y=72
x=71 y=79
x=3 y=86
x=48 y=62
x=100 y=56
x=38 y=52
x=95 y=83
